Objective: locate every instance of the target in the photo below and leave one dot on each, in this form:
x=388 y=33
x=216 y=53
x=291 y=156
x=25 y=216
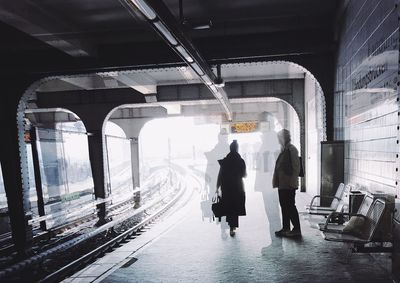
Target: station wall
x=366 y=94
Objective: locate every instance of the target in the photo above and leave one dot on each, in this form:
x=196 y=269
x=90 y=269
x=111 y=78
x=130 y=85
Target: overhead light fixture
x=176 y=38
x=166 y=33
x=219 y=95
x=213 y=88
x=145 y=9
x=220 y=84
x=184 y=53
x=207 y=80
x=203 y=26
x=206 y=26
x=197 y=69
x=187 y=73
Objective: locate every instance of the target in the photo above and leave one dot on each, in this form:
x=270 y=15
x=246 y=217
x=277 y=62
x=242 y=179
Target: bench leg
x=349 y=252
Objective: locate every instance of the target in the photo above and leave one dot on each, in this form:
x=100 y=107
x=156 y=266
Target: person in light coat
x=286 y=179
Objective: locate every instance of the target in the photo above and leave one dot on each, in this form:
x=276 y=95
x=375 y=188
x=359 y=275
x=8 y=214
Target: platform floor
x=188 y=247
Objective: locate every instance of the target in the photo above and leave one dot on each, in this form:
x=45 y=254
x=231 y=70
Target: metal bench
x=367 y=230
x=335 y=220
x=337 y=199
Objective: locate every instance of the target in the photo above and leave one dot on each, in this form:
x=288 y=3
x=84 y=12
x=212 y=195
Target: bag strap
x=216 y=198
x=219 y=218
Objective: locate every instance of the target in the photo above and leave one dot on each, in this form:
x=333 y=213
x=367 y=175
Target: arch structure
x=269 y=84
x=94 y=105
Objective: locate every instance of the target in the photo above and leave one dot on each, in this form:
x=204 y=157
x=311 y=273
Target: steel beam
x=30 y=18
x=165 y=24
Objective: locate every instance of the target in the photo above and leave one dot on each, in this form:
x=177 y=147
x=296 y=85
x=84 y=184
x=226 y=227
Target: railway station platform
x=185 y=246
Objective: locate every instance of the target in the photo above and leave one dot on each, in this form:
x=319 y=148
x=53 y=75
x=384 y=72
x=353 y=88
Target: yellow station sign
x=244 y=127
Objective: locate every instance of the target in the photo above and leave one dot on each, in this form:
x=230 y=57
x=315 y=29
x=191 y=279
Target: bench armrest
x=321 y=196
x=334 y=214
x=347 y=213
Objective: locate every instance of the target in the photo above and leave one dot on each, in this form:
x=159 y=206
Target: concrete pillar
x=97 y=157
x=38 y=177
x=298 y=105
x=135 y=161
x=132 y=128
x=17 y=197
x=94 y=121
x=135 y=169
x=14 y=165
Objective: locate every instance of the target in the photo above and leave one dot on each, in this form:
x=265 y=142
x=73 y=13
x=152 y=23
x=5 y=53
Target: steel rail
x=18 y=267
x=77 y=264
x=6 y=250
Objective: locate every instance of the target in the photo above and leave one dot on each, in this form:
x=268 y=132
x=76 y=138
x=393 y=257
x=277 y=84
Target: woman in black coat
x=231 y=172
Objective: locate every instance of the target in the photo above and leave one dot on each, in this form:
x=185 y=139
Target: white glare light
x=207 y=80
x=184 y=53
x=197 y=69
x=173 y=109
x=213 y=88
x=171 y=39
x=222 y=84
x=145 y=9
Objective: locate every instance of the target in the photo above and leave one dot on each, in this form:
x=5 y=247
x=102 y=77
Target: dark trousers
x=233 y=221
x=289 y=210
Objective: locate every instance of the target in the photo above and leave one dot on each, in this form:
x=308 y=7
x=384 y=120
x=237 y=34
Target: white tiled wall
x=366 y=101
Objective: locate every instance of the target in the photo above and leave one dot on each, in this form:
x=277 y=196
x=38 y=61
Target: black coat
x=231 y=172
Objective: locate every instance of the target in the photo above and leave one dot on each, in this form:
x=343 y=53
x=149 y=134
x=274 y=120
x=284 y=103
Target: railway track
x=35 y=269
x=123 y=237
x=52 y=236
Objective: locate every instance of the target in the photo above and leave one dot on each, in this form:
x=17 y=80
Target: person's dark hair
x=286 y=135
x=234 y=146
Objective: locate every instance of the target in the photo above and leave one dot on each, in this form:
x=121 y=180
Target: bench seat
x=371 y=210
x=341 y=237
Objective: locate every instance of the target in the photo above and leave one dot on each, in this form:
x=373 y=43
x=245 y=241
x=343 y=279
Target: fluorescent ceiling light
x=206 y=26
x=197 y=69
x=184 y=53
x=203 y=26
x=220 y=84
x=187 y=73
x=166 y=33
x=219 y=95
x=145 y=9
x=207 y=80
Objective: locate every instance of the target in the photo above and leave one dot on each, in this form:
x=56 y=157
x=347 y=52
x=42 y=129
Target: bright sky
x=180 y=132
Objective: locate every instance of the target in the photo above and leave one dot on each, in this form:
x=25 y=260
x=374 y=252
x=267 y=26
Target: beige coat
x=287 y=168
